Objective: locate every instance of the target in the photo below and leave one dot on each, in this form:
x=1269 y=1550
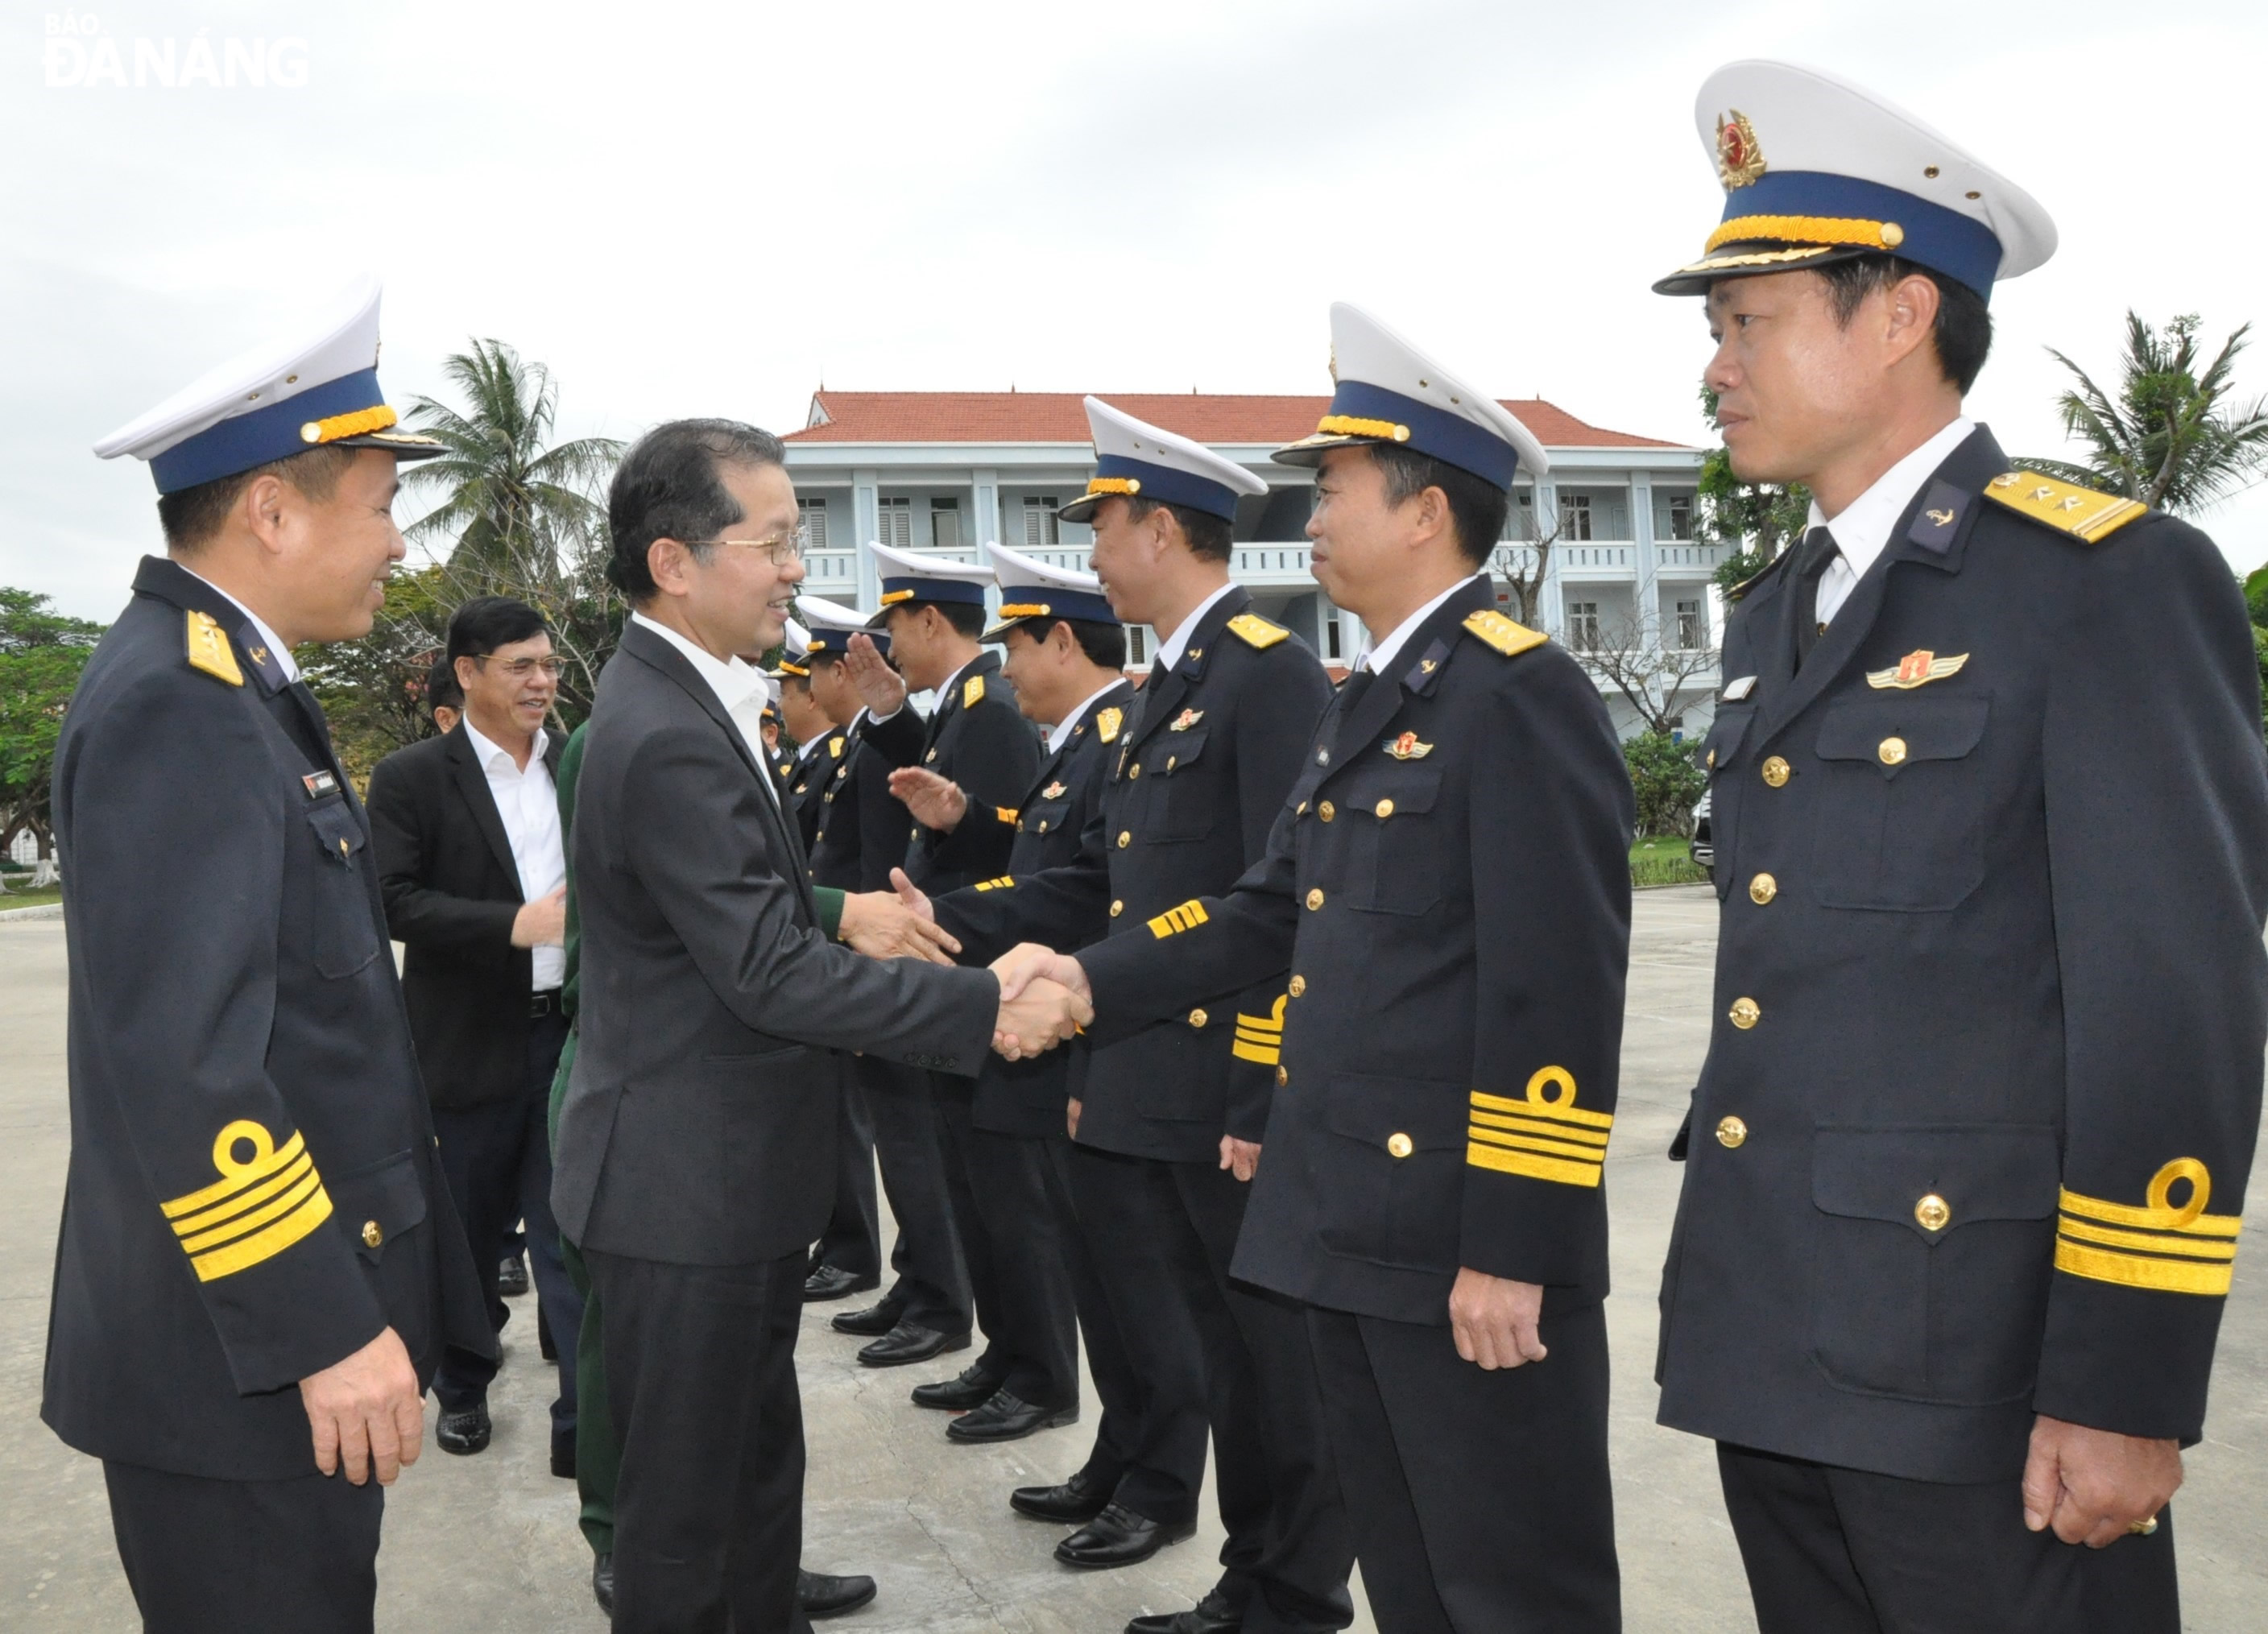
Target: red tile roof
x=1059 y=417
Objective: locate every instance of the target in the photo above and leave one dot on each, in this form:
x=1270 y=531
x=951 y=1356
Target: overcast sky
x=712 y=209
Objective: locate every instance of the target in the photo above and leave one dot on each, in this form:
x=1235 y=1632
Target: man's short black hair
x=1104 y=645
x=1208 y=535
x=1963 y=333
x=191 y=516
x=442 y=691
x=967 y=617
x=486 y=623
x=669 y=486
x=1476 y=507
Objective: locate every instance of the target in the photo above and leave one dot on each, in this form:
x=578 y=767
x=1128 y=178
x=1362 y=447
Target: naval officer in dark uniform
x=1447 y=887
x=1968 y=1155
x=259 y=1264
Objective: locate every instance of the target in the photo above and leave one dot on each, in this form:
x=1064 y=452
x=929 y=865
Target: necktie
x=1818 y=549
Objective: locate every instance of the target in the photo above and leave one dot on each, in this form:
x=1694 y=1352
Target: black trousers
x=201 y=1553
x=1480 y=1499
x=1843 y=1552
x=1164 y=1258
x=932 y=1285
x=708 y=1508
x=497 y=1158
x=1112 y=1465
x=1011 y=1240
x=853 y=1239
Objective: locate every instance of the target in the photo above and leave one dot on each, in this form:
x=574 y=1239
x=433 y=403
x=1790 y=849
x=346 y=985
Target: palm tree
x=2170 y=437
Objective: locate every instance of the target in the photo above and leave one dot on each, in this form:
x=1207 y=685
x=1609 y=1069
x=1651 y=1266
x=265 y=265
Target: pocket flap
x=1931 y=729
x=1374 y=1110
x=1995 y=1171
x=376 y=1204
x=1172 y=751
x=1042 y=817
x=337 y=831
x=1411 y=790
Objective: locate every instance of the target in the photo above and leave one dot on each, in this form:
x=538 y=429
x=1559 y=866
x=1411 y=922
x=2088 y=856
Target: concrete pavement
x=489 y=1544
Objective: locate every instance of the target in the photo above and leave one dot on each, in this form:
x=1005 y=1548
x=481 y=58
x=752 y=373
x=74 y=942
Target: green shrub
x=1668 y=781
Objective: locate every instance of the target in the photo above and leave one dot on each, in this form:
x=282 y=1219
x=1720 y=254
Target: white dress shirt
x=283 y=653
x=1380 y=656
x=1060 y=732
x=529 y=805
x=739 y=686
x=1862 y=530
x=1169 y=649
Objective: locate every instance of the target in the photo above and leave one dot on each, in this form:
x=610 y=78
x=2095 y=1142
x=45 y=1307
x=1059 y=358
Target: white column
x=866 y=525
x=985 y=511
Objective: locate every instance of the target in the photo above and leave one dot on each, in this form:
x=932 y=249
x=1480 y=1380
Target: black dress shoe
x=463 y=1429
x=511 y=1277
x=602 y=1583
x=909 y=1342
x=872 y=1320
x=1079 y=1498
x=832 y=1281
x=823 y=1596
x=563 y=1455
x=1212 y=1615
x=1119 y=1537
x=1004 y=1418
x=973 y=1389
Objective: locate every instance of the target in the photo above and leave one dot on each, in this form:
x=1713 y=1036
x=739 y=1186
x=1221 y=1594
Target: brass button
x=1326 y=811
x=1134 y=771
x=1171 y=761
x=1117 y=908
x=931 y=755
x=1776 y=772
x=1893 y=751
x=1385 y=809
x=1197 y=1018
x=1298 y=985
x=1932 y=1213
x=1731 y=1132
x=1711 y=762
x=1125 y=839
x=1400 y=1146
x=1314 y=899
x=1282 y=1078
x=1745 y=1013
x=1762 y=889
x=372 y=1236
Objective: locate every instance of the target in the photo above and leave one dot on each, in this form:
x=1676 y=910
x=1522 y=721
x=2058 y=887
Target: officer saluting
x=259 y=1264
x=1968 y=1153
x=1448 y=886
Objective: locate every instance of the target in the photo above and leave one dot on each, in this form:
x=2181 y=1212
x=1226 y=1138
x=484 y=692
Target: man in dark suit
x=258 y=1264
x=466 y=827
x=696 y=1146
x=1968 y=1154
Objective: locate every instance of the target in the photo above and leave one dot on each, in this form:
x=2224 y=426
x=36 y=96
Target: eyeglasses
x=784 y=549
x=520 y=669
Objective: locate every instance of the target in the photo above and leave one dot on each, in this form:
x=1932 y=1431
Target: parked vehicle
x=1703 y=851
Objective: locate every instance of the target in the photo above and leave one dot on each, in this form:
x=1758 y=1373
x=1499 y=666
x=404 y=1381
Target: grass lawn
x=1663 y=862
x=31 y=899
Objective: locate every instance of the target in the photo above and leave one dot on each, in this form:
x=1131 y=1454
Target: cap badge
x=1186 y=719
x=1916 y=669
x=1740 y=157
x=1406 y=747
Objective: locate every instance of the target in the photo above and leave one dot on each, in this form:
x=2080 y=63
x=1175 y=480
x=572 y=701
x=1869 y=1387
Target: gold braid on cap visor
x=1873 y=235
x=353 y=424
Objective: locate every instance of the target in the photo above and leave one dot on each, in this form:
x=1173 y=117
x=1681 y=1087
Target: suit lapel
x=1359 y=728
x=472 y=780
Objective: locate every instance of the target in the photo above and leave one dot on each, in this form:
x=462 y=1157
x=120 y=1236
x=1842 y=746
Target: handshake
x=1044 y=999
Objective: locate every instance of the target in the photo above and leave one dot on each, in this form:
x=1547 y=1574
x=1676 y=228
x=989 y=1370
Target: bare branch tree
x=1654 y=677
x=1524 y=574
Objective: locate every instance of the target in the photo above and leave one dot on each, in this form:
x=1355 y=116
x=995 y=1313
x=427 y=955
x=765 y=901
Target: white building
x=955 y=471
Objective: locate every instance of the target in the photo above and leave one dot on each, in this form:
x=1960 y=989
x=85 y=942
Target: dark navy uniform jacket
x=1972 y=1137
x=253 y=1193
x=855 y=842
x=810 y=777
x=1211 y=749
x=979 y=739
x=1046 y=831
x=1449 y=886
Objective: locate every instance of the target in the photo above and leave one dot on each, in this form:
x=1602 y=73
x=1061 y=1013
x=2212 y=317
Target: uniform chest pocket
x=1393 y=850
x=1177 y=803
x=1043 y=817
x=1901 y=815
x=1392 y=1169
x=341 y=932
x=1721 y=752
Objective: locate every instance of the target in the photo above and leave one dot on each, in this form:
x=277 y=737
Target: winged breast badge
x=1916 y=669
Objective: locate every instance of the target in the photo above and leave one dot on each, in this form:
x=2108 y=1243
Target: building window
x=895 y=523
x=1692 y=626
x=1680 y=516
x=1039 y=522
x=945 y=524
x=1138 y=644
x=1520 y=518
x=1334 y=642
x=1574 y=516
x=813 y=515
x=1583 y=625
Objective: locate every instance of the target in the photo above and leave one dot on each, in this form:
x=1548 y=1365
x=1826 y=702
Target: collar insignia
x=1916 y=669
x=1186 y=719
x=1406 y=747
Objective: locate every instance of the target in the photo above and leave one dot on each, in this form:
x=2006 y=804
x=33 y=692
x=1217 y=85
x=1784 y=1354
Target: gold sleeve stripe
x=1538 y=1126
x=2163 y=1246
x=1267 y=1054
x=306 y=1187
x=1188 y=916
x=1006 y=882
x=259 y=1206
x=234 y=1175
x=2158 y=1213
x=1530 y=1143
x=2134 y=1270
x=1534 y=1107
x=1532 y=1166
x=1262 y=1036
x=243 y=1203
x=1007 y=814
x=266 y=1244
x=2081 y=1231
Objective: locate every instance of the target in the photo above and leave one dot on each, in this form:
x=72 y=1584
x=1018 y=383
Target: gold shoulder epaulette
x=834 y=747
x=972 y=691
x=210 y=651
x=1107 y=723
x=1501 y=633
x=1255 y=631
x=1756 y=578
x=2066 y=507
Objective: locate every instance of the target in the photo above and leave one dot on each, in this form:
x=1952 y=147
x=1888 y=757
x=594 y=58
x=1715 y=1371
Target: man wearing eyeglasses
x=466 y=827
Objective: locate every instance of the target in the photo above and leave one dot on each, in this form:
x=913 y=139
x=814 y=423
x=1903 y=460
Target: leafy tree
x=41 y=653
x=2171 y=436
x=1668 y=781
x=1759 y=518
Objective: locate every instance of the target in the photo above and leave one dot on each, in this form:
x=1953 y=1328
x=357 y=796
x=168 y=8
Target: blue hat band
x=1814 y=207
x=1044 y=601
x=1407 y=422
x=245 y=441
x=839 y=641
x=1115 y=474
x=897 y=589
